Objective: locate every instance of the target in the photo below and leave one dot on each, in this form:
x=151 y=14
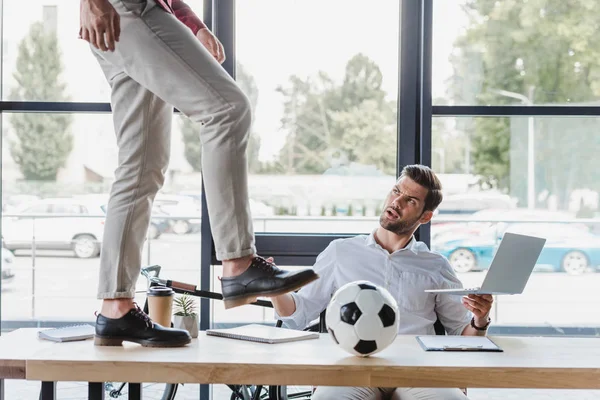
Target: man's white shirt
x=405 y=273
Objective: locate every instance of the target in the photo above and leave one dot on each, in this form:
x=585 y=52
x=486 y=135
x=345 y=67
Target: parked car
x=56 y=224
x=7 y=266
x=184 y=212
x=569 y=247
x=157 y=226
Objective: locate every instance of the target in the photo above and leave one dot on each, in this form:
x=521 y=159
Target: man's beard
x=399 y=226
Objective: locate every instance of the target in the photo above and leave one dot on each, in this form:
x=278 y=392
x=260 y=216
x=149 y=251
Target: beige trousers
x=159 y=64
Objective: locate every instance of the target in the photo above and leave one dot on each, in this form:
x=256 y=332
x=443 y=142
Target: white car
x=7 y=264
x=56 y=224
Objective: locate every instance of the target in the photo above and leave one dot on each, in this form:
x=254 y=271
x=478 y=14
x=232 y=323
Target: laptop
x=510 y=269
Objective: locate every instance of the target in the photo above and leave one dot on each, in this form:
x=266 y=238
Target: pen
x=462 y=347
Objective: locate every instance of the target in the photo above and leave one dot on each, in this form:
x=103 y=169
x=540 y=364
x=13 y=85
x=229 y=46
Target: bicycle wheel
x=289 y=392
x=150 y=391
x=116 y=390
x=241 y=392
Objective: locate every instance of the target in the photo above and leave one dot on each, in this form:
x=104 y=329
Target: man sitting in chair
x=392 y=258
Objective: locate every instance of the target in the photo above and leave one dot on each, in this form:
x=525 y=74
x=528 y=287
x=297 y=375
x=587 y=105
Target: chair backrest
x=322 y=327
x=439 y=328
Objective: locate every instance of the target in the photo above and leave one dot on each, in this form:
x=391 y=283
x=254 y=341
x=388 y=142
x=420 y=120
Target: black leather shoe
x=137 y=327
x=262 y=278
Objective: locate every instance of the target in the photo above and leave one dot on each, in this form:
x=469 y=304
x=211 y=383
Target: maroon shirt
x=183 y=12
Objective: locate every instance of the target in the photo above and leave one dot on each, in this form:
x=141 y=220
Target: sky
x=275 y=39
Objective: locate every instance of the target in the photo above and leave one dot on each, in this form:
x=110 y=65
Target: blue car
x=569 y=247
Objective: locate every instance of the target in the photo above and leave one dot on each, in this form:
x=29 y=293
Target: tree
x=191 y=130
x=43 y=141
x=546 y=51
x=331 y=124
x=448 y=148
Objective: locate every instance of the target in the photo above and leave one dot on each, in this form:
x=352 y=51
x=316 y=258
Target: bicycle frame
x=152 y=273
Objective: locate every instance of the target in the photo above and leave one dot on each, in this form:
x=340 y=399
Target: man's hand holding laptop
x=480 y=305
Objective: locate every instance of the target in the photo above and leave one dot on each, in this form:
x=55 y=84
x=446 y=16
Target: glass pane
x=495 y=182
x=515 y=52
x=43 y=59
x=323 y=143
x=72 y=174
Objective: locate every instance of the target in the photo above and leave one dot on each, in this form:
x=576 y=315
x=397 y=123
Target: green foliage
x=185 y=306
x=43 y=141
x=546 y=51
x=333 y=124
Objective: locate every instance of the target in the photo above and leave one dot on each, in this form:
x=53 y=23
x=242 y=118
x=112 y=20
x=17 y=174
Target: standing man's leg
x=142 y=123
x=164 y=58
x=428 y=394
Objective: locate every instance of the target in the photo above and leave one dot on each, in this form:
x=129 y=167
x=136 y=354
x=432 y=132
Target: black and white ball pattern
x=362 y=318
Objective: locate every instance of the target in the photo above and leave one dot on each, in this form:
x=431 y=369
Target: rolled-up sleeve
x=449 y=308
x=184 y=13
x=313 y=298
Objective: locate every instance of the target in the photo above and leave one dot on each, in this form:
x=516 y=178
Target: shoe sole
x=112 y=341
x=251 y=298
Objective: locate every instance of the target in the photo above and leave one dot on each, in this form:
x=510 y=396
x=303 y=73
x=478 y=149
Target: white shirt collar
x=412 y=244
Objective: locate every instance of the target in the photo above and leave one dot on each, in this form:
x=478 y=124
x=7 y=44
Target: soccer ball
x=362 y=318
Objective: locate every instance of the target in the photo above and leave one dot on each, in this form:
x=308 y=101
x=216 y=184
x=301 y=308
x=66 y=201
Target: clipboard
x=458 y=343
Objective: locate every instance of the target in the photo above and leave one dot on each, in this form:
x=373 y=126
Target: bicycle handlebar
x=182 y=286
x=151 y=274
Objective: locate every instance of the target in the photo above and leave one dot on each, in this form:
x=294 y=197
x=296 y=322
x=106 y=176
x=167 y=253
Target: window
x=67 y=209
x=38 y=209
x=521 y=168
x=515 y=53
x=72 y=174
x=494 y=191
x=47 y=34
x=322 y=149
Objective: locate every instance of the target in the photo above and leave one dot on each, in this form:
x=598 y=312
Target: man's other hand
x=212 y=44
x=480 y=306
x=99 y=24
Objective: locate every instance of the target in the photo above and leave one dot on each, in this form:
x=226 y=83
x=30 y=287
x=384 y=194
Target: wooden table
x=527 y=362
x=15 y=348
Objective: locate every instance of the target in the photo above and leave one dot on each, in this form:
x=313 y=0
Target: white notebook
x=457 y=343
x=68 y=333
x=262 y=333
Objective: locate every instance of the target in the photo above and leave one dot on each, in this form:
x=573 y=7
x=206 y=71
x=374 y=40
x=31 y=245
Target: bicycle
x=115 y=390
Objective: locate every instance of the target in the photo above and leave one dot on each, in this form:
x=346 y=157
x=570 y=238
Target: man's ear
x=426 y=217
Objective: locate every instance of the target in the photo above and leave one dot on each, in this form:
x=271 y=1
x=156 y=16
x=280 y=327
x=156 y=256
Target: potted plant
x=185 y=315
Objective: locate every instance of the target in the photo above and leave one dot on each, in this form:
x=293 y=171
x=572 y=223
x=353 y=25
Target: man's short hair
x=425 y=177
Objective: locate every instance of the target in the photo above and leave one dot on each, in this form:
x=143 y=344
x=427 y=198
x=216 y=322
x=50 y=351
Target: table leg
x=135 y=391
x=1 y=389
x=48 y=391
x=96 y=390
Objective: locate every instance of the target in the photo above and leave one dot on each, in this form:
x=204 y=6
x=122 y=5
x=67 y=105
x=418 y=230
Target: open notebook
x=457 y=343
x=262 y=333
x=68 y=333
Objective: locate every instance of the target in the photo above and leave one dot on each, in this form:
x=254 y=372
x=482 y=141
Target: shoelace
x=142 y=315
x=264 y=265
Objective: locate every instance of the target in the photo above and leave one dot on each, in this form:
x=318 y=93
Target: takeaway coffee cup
x=160 y=305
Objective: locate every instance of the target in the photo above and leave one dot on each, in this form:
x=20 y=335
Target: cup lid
x=160 y=291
